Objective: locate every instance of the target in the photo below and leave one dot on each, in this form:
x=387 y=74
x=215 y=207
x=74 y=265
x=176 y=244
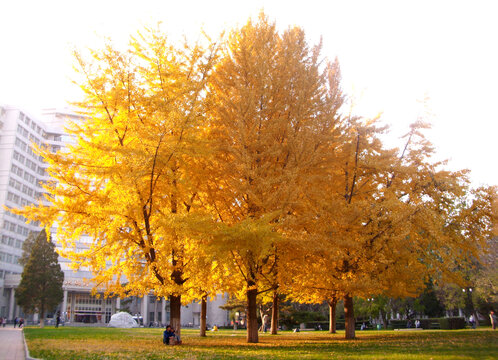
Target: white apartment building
x=21 y=174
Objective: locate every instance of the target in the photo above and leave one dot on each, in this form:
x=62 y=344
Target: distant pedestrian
x=493 y=319
x=265 y=322
x=58 y=320
x=15 y=322
x=21 y=323
x=472 y=321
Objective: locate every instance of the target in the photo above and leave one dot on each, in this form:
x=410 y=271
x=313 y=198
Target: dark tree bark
x=203 y=316
x=175 y=304
x=274 y=314
x=349 y=316
x=252 y=314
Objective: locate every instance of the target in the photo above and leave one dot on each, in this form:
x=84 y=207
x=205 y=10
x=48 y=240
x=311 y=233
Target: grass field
x=103 y=343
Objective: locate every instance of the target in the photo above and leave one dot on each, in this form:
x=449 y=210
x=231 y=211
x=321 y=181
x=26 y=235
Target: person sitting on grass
x=170 y=333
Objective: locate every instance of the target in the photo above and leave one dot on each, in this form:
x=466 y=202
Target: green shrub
x=485 y=322
x=430 y=323
x=452 y=323
x=295 y=318
x=316 y=324
x=398 y=324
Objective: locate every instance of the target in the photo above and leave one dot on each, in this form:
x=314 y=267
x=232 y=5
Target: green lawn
x=103 y=343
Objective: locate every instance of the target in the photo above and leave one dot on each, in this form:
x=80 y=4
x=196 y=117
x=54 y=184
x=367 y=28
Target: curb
x=26 y=351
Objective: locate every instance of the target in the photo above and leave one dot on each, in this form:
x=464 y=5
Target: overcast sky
x=392 y=54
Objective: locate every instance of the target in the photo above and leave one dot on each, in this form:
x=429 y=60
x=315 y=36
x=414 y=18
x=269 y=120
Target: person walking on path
x=15 y=321
x=12 y=344
x=493 y=319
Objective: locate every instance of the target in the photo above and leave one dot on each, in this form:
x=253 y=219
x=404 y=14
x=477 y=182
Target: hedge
x=452 y=323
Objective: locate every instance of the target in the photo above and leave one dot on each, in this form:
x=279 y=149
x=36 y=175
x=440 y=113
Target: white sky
x=392 y=54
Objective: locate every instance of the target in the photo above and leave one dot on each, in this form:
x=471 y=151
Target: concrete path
x=12 y=343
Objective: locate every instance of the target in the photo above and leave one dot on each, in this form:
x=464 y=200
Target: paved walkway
x=12 y=343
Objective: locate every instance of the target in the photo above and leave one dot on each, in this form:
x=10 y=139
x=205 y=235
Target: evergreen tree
x=429 y=301
x=27 y=245
x=41 y=282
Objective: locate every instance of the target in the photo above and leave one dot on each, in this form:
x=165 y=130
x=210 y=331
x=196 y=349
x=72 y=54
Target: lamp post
x=469 y=304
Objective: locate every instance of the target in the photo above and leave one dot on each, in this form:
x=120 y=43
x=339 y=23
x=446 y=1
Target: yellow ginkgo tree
x=128 y=179
x=271 y=119
x=386 y=222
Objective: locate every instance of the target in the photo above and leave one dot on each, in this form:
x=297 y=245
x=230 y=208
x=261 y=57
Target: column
x=73 y=301
x=64 y=306
x=118 y=304
x=156 y=320
x=145 y=310
x=163 y=311
x=12 y=303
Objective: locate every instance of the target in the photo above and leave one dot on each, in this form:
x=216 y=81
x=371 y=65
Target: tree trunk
x=274 y=314
x=203 y=316
x=42 y=316
x=252 y=314
x=349 y=316
x=332 y=315
x=383 y=315
x=175 y=305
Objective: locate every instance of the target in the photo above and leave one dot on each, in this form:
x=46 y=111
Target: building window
x=21 y=144
x=18 y=157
